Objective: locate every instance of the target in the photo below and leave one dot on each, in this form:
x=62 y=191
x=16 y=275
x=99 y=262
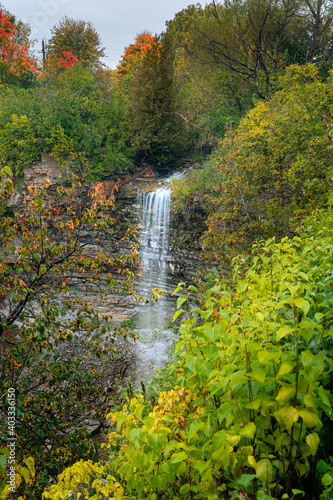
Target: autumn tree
x=79 y=37
x=67 y=60
x=135 y=53
x=155 y=131
x=58 y=253
x=16 y=64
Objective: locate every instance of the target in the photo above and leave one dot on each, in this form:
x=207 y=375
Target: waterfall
x=152 y=320
x=154 y=235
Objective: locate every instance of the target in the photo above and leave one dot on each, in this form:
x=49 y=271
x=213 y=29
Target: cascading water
x=152 y=320
x=154 y=236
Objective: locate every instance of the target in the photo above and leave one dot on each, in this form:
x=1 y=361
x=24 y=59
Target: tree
x=135 y=53
x=16 y=64
x=156 y=133
x=79 y=37
x=56 y=251
x=68 y=60
x=251 y=40
x=318 y=30
x=79 y=120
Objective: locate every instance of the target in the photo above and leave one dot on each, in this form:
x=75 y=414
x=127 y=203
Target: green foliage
x=78 y=120
x=252 y=399
x=274 y=170
x=18 y=144
x=192 y=192
x=6 y=187
x=79 y=37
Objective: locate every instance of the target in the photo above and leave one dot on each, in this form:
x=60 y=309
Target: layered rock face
x=47 y=170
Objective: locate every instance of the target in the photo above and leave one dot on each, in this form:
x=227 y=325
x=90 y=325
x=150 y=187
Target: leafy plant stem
x=235 y=399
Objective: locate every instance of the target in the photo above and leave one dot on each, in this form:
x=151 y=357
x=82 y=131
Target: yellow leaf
x=313 y=441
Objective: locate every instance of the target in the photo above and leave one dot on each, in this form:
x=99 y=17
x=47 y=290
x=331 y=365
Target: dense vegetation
x=250 y=411
x=247 y=410
x=269 y=173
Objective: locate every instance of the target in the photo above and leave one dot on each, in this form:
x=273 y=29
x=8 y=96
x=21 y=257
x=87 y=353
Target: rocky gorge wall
x=186 y=230
x=47 y=169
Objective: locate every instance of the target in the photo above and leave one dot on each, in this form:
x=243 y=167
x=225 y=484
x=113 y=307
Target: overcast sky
x=117 y=21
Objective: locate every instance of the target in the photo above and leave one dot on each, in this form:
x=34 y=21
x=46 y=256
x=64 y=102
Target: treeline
x=263 y=74
x=171 y=95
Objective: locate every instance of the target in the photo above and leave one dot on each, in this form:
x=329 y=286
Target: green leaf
x=139 y=410
x=138 y=436
x=313 y=441
x=285 y=394
x=259 y=374
x=307 y=334
x=157 y=440
x=179 y=287
x=327 y=480
x=241 y=287
x=254 y=405
x=265 y=357
x=282 y=332
x=264 y=471
x=178 y=457
x=8 y=171
x=30 y=463
x=261 y=495
x=177 y=313
x=287 y=416
x=194 y=428
x=248 y=431
x=120 y=420
x=219 y=439
x=323 y=396
x=298 y=492
x=302 y=304
x=245 y=480
x=285 y=367
x=149 y=422
x=184 y=489
x=180 y=301
x=190 y=363
x=224 y=411
x=200 y=466
x=23 y=471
